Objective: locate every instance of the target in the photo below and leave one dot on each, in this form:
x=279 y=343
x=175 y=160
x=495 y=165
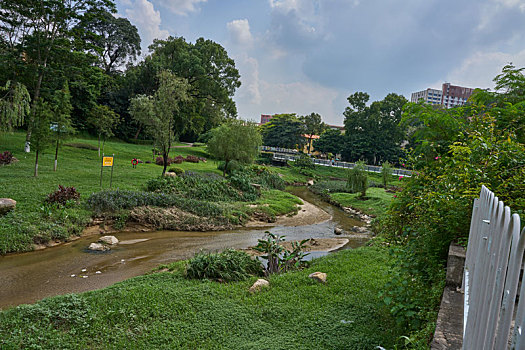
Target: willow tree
x=235 y=140
x=14 y=105
x=161 y=113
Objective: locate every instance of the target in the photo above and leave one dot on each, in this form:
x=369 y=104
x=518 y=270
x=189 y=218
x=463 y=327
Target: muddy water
x=69 y=268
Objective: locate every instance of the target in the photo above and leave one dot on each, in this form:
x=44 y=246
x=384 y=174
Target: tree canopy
x=284 y=130
x=373 y=133
x=313 y=125
x=330 y=141
x=235 y=140
x=161 y=113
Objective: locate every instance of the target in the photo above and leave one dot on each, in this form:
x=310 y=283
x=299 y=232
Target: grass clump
x=229 y=265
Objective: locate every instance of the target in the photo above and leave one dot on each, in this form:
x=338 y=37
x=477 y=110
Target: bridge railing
x=491 y=277
x=339 y=164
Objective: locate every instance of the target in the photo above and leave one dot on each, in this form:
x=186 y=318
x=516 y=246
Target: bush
x=160 y=161
x=230 y=265
x=278 y=258
x=386 y=173
x=6 y=158
x=304 y=162
x=63 y=195
x=191 y=159
x=233 y=165
x=177 y=171
x=177 y=160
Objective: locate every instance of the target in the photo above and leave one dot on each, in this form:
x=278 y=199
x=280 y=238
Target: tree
x=115 y=41
x=386 y=172
x=313 y=126
x=104 y=120
x=357 y=180
x=161 y=113
x=330 y=141
x=41 y=126
x=373 y=133
x=235 y=140
x=34 y=29
x=14 y=105
x=283 y=130
x=61 y=119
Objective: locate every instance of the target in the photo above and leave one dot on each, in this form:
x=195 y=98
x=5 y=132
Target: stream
x=69 y=268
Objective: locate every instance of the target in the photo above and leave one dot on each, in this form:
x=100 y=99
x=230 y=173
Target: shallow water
x=28 y=277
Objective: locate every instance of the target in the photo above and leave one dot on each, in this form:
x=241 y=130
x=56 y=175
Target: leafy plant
x=177 y=171
x=230 y=265
x=6 y=158
x=63 y=195
x=278 y=258
x=191 y=159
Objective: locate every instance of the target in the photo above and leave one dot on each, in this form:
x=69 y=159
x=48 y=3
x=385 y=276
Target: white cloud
x=181 y=7
x=143 y=15
x=249 y=70
x=239 y=31
x=480 y=68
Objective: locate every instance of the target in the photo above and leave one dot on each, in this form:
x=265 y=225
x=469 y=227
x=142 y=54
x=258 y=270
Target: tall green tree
x=114 y=40
x=284 y=130
x=33 y=30
x=313 y=125
x=373 y=133
x=330 y=141
x=161 y=113
x=104 y=120
x=41 y=126
x=237 y=140
x=14 y=105
x=61 y=119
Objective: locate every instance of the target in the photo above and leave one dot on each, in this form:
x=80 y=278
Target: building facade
x=449 y=96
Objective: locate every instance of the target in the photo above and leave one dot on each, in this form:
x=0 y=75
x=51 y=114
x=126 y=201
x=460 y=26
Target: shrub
x=357 y=180
x=304 y=162
x=177 y=171
x=160 y=161
x=191 y=159
x=63 y=195
x=6 y=158
x=233 y=165
x=178 y=160
x=230 y=265
x=278 y=258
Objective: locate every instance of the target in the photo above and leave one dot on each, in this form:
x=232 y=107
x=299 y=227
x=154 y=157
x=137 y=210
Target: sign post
x=107 y=162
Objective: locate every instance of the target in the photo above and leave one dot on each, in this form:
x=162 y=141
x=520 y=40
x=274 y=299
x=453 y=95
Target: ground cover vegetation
x=165 y=310
x=456 y=151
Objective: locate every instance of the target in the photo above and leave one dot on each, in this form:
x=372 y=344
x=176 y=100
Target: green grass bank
x=167 y=311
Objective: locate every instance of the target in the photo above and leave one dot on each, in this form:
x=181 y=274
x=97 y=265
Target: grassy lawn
x=167 y=311
x=32 y=222
x=377 y=202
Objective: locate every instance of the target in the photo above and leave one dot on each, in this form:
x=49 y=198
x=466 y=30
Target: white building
x=432 y=96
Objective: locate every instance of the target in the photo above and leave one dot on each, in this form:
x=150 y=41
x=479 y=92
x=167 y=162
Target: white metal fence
x=339 y=164
x=492 y=276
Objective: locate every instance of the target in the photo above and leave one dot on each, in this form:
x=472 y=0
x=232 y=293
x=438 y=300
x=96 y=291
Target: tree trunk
x=27 y=147
x=225 y=167
x=103 y=144
x=138 y=132
x=165 y=158
x=99 y=145
x=56 y=157
x=36 y=164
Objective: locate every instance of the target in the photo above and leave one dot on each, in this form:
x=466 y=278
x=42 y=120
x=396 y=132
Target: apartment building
x=449 y=96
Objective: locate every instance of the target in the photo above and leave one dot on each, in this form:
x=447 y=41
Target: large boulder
x=258 y=285
x=108 y=240
x=98 y=247
x=318 y=276
x=6 y=205
x=338 y=231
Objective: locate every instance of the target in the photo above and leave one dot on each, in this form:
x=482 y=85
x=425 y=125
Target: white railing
x=491 y=277
x=339 y=164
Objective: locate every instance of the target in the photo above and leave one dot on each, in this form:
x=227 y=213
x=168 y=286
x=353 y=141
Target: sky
x=304 y=56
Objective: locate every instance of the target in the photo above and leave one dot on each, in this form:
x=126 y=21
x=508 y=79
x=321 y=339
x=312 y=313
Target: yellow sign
x=107 y=161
